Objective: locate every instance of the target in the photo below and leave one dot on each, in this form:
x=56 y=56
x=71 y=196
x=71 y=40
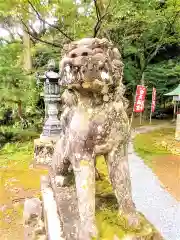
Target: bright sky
x=3 y=33
x=36 y=25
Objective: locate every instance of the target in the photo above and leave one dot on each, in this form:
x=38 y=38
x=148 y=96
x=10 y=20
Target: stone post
x=177 y=134
x=44 y=146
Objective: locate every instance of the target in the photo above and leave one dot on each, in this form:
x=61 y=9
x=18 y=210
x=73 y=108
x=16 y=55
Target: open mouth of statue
x=84 y=67
x=79 y=75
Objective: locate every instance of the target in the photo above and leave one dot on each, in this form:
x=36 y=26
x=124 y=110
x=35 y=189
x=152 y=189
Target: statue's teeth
x=69 y=75
x=67 y=68
x=104 y=75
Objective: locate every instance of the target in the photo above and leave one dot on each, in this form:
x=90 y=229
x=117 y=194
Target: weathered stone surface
x=145 y=237
x=39 y=228
x=61 y=181
x=43 y=151
x=53 y=224
x=94 y=123
x=67 y=205
x=32 y=209
x=33 y=225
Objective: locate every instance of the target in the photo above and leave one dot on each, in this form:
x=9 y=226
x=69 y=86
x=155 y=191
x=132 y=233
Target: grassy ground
x=136 y=122
x=161 y=152
x=108 y=222
x=150 y=145
x=17 y=181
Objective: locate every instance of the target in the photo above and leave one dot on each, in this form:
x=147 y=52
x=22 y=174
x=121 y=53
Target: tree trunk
x=20 y=115
x=101 y=5
x=142 y=79
x=20 y=110
x=27 y=51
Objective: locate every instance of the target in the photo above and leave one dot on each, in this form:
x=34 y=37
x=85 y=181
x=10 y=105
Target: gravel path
x=150 y=198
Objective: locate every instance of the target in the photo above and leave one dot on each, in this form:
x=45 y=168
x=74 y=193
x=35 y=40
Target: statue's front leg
x=118 y=168
x=60 y=162
x=84 y=170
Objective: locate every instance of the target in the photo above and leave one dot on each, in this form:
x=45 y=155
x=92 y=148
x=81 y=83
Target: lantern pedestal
x=43 y=151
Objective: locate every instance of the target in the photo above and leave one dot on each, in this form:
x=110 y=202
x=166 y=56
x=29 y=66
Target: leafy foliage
x=142 y=30
x=164 y=76
x=16 y=87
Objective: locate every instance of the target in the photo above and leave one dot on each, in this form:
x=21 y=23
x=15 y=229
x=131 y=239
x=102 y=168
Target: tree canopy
x=147 y=32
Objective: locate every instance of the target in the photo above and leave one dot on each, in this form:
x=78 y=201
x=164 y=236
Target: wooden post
x=142 y=83
x=132 y=115
x=153 y=104
x=131 y=120
x=174 y=115
x=150 y=119
x=177 y=134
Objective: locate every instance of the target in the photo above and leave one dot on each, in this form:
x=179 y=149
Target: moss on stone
x=84 y=163
x=108 y=221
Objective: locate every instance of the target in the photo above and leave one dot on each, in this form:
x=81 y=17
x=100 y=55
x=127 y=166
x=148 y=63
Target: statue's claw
x=132 y=219
x=88 y=234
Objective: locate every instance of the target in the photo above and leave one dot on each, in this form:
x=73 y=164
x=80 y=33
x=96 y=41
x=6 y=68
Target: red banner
x=140 y=99
x=153 y=104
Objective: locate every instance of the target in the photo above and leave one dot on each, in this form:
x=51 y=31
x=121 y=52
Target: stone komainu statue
x=94 y=123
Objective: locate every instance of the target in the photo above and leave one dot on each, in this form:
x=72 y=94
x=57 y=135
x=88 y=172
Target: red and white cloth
x=140 y=99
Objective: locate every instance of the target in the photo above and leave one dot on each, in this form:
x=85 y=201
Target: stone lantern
x=44 y=146
x=51 y=127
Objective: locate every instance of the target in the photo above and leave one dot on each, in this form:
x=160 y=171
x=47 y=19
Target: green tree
x=16 y=87
x=142 y=29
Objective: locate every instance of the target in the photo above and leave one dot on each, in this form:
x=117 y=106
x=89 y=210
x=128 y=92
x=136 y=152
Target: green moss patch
x=17 y=182
x=161 y=152
x=108 y=221
x=150 y=145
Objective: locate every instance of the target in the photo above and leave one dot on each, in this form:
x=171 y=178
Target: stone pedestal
x=53 y=223
x=61 y=216
x=177 y=134
x=60 y=210
x=43 y=151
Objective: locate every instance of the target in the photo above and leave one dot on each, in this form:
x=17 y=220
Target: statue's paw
x=61 y=181
x=70 y=169
x=94 y=232
x=88 y=233
x=132 y=219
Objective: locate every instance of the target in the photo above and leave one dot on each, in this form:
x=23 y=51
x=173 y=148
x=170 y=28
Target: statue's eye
x=73 y=55
x=84 y=54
